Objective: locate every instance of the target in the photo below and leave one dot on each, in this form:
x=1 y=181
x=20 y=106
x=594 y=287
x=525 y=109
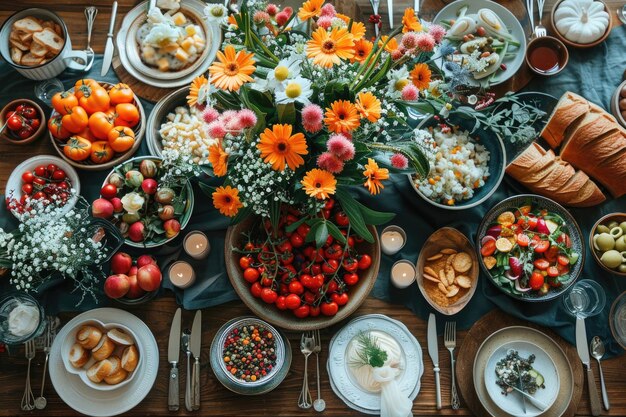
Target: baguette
x=38 y=50
x=28 y=25
x=526 y=159
x=570 y=190
x=588 y=196
x=570 y=108
x=78 y=356
x=16 y=55
x=88 y=336
x=19 y=45
x=99 y=370
x=104 y=349
x=49 y=39
x=560 y=176
x=130 y=358
x=116 y=377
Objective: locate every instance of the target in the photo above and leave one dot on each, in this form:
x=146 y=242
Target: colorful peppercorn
x=249 y=352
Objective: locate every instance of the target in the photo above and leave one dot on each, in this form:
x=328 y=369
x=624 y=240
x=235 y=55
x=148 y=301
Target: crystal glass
x=11 y=302
x=621 y=14
x=586 y=299
x=45 y=89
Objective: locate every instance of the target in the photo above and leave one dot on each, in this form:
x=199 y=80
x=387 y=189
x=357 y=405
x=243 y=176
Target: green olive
x=611 y=259
x=616 y=232
x=623 y=226
x=622 y=268
x=603 y=242
x=602 y=229
x=620 y=244
x=612 y=224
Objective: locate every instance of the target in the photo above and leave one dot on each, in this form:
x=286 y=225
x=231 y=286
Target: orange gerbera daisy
x=368 y=106
x=341 y=117
x=309 y=9
x=218 y=159
x=194 y=89
x=391 y=46
x=232 y=20
x=233 y=69
x=327 y=49
x=278 y=147
x=226 y=200
x=362 y=49
x=343 y=17
x=374 y=176
x=410 y=22
x=420 y=75
x=357 y=30
x=319 y=184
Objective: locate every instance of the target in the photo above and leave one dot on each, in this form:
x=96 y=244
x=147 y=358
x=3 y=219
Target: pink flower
x=341 y=147
x=282 y=18
x=328 y=10
x=312 y=114
x=397 y=53
x=227 y=115
x=410 y=92
x=216 y=130
x=437 y=32
x=288 y=11
x=271 y=9
x=425 y=42
x=330 y=163
x=210 y=114
x=247 y=118
x=325 y=22
x=399 y=161
x=260 y=17
x=409 y=40
x=312 y=127
x=233 y=126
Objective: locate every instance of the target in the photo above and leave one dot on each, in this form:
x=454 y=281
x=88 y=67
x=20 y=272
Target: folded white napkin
x=393 y=403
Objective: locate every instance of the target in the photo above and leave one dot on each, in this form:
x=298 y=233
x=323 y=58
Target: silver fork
x=540 y=30
x=449 y=340
x=319 y=404
x=28 y=400
x=531 y=15
x=90 y=16
x=41 y=402
x=307 y=343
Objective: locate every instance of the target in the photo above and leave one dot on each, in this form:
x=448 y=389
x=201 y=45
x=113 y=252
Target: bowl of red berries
x=42 y=177
x=23 y=121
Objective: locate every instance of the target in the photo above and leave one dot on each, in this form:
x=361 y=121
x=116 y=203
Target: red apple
x=116 y=286
x=117 y=205
x=136 y=232
x=108 y=191
x=144 y=260
x=171 y=227
x=149 y=186
x=102 y=208
x=133 y=271
x=135 y=290
x=121 y=263
x=149 y=277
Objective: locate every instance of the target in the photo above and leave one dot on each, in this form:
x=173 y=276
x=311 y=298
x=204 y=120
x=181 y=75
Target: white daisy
x=216 y=13
x=288 y=68
x=298 y=89
x=398 y=79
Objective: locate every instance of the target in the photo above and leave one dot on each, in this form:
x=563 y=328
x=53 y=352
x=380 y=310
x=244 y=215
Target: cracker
x=448 y=251
x=490 y=261
x=450 y=259
x=462 y=262
x=442 y=288
x=453 y=290
x=431 y=278
x=442 y=276
x=450 y=275
x=435 y=257
x=463 y=281
x=430 y=271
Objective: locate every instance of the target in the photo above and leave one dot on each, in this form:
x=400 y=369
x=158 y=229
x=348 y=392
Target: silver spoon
x=90 y=15
x=621 y=14
x=597 y=351
x=184 y=346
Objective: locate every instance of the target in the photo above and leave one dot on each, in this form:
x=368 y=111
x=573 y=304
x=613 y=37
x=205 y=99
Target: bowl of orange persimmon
x=96 y=125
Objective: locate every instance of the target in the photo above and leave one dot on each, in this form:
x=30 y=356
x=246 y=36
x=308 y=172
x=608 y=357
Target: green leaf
x=241 y=215
x=350 y=206
x=286 y=113
x=207 y=170
x=374 y=217
x=310 y=237
x=206 y=189
x=275 y=214
x=335 y=232
x=293 y=226
x=321 y=234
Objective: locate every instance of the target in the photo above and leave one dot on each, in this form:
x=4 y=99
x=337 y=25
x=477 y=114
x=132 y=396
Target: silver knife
x=196 y=343
x=583 y=353
x=416 y=7
x=173 y=355
x=109 y=48
x=521 y=387
x=390 y=12
x=433 y=352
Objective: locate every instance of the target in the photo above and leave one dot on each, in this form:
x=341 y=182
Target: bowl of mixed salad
x=530 y=247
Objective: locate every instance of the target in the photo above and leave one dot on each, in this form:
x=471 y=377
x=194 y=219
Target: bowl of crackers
x=447 y=270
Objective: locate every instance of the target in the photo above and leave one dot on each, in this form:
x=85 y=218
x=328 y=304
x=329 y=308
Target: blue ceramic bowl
x=496 y=165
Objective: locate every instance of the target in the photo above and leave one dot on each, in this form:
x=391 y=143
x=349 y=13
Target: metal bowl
x=158 y=114
x=263 y=385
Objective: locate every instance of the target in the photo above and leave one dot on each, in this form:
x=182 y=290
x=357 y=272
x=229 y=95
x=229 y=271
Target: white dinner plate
x=341 y=380
x=513 y=403
x=76 y=394
x=214 y=41
x=514 y=63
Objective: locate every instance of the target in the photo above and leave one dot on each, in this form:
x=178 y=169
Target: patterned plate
x=76 y=394
x=339 y=373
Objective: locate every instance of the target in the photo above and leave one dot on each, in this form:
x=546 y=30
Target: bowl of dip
x=21 y=318
x=546 y=56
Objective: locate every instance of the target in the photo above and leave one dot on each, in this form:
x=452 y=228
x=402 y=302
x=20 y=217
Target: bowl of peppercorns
x=249 y=356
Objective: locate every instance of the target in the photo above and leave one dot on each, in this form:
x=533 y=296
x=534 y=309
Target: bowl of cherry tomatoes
x=96 y=125
x=42 y=177
x=24 y=120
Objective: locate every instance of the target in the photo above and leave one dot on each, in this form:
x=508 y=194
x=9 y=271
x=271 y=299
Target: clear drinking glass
x=45 y=89
x=17 y=300
x=586 y=299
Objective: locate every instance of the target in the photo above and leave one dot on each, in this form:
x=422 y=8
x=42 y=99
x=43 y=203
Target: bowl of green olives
x=608 y=243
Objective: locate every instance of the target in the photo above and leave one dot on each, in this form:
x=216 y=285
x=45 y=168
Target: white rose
x=132 y=202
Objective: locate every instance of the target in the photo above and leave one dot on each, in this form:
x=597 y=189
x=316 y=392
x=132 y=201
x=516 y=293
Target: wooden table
x=217 y=400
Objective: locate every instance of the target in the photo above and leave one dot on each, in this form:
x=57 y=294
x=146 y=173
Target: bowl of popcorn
x=173 y=125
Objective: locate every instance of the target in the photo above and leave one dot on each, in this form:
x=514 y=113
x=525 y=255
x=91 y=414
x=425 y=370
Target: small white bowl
x=69 y=341
x=14 y=183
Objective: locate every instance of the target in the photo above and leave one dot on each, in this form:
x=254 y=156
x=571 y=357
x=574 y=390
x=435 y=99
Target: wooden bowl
x=576 y=44
x=447 y=238
x=286 y=319
x=553 y=44
x=118 y=158
x=11 y=106
x=615 y=109
x=618 y=217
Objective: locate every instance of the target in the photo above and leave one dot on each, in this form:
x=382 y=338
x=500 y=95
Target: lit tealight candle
x=181 y=274
x=196 y=245
x=392 y=239
x=402 y=274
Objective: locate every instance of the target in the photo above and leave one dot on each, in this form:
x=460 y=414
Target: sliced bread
x=570 y=108
x=28 y=25
x=49 y=39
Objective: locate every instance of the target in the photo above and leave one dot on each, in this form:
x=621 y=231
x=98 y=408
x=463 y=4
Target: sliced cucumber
x=539 y=380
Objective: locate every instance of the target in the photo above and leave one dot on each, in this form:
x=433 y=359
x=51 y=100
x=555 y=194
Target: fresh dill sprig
x=368 y=352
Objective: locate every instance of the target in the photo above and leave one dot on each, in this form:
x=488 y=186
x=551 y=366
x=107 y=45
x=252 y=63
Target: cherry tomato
x=541 y=246
x=39 y=181
x=314 y=311
x=332 y=287
x=25 y=132
x=316 y=269
x=309 y=297
x=553 y=271
x=27 y=188
x=329 y=204
x=59 y=175
x=350 y=279
x=350 y=264
x=256 y=290
x=488 y=248
x=249 y=247
x=326 y=214
x=244 y=262
x=302 y=311
x=295 y=287
x=341 y=219
x=563 y=260
x=334 y=252
x=330 y=266
x=27 y=177
x=564 y=238
x=268 y=295
x=108 y=191
x=365 y=261
x=285 y=246
x=329 y=309
x=51 y=168
x=34 y=123
x=64 y=185
x=296 y=240
x=39 y=195
x=27 y=111
x=542 y=264
x=552 y=253
x=523 y=240
x=266 y=281
x=340 y=299
x=251 y=275
x=280 y=302
x=41 y=171
x=303 y=229
x=563 y=269
x=293 y=301
x=14 y=122
x=536 y=280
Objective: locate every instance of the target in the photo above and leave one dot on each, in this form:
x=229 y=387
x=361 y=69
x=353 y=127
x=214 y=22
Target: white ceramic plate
x=213 y=39
x=77 y=395
x=514 y=63
x=339 y=373
x=513 y=403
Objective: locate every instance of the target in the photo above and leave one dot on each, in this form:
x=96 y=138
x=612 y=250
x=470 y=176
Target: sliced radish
x=487 y=239
x=516 y=266
x=519 y=288
x=511 y=276
x=494 y=231
x=542 y=227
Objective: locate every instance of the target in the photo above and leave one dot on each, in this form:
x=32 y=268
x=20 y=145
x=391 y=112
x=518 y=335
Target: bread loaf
x=88 y=336
x=116 y=377
x=104 y=349
x=99 y=370
x=570 y=108
x=78 y=356
x=130 y=358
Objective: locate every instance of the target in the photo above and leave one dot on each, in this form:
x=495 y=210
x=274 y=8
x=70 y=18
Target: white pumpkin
x=581 y=21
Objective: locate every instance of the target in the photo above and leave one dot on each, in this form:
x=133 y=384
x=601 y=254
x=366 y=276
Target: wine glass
x=621 y=14
x=586 y=299
x=46 y=89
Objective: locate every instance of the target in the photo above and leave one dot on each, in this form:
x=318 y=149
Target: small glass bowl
x=8 y=304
